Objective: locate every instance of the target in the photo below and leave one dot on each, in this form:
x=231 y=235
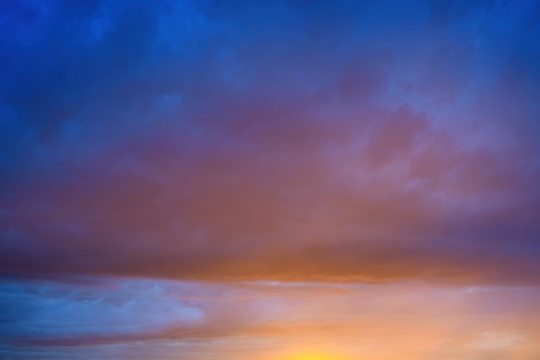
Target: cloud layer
x=148 y=319
x=271 y=140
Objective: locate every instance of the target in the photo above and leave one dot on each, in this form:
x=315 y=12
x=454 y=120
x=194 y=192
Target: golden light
x=313 y=356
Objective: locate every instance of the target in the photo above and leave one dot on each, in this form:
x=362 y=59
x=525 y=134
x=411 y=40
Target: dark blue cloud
x=102 y=308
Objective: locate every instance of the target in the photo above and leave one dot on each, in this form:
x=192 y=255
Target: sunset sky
x=270 y=180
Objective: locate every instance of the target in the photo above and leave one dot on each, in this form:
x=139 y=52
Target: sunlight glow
x=313 y=356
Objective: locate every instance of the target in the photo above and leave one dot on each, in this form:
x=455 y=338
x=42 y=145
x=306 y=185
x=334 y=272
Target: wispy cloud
x=415 y=320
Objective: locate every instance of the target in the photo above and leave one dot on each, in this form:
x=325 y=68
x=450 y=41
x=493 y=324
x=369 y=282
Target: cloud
x=263 y=140
x=111 y=318
x=101 y=308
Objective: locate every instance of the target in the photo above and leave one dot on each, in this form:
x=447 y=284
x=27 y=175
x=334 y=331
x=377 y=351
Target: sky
x=271 y=180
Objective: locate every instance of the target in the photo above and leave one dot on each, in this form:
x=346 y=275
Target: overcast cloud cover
x=145 y=143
